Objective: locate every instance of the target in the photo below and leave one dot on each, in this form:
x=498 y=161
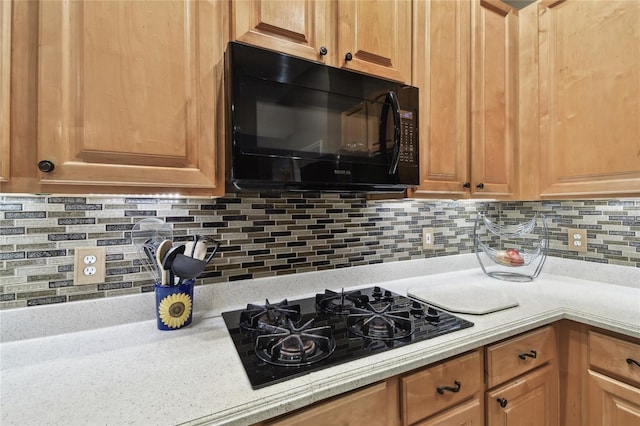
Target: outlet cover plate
x=83 y=254
x=577 y=239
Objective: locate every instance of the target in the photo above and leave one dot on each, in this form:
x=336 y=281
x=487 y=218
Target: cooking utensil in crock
x=146 y=236
x=186 y=267
x=169 y=258
x=161 y=252
x=150 y=263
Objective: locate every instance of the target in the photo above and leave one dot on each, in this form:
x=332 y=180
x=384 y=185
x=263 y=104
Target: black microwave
x=295 y=124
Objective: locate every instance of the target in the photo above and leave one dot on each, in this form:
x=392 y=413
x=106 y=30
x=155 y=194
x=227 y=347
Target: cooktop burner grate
x=280 y=341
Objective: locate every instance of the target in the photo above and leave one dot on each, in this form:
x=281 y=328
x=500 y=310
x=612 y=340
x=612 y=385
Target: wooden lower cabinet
x=466 y=414
x=529 y=400
x=612 y=402
x=522 y=377
x=439 y=387
x=375 y=405
x=579 y=376
x=612 y=380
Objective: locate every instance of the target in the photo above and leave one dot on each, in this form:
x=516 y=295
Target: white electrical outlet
x=428 y=238
x=577 y=239
x=89 y=265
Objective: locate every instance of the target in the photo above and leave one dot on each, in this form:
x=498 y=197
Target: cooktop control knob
x=417 y=309
x=432 y=314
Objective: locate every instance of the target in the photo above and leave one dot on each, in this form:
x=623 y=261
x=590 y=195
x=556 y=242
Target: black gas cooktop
x=286 y=339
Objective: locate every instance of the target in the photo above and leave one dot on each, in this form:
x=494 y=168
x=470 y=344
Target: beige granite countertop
x=132 y=373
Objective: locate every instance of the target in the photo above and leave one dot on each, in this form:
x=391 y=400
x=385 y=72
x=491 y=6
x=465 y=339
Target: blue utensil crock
x=174 y=305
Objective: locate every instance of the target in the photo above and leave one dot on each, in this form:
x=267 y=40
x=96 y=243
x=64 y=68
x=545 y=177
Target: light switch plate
x=89 y=265
x=577 y=239
x=428 y=239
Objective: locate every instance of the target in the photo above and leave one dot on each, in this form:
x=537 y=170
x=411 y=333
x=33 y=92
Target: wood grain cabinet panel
x=494 y=99
x=611 y=402
x=441 y=56
x=466 y=67
x=520 y=354
x=128 y=95
x=438 y=387
x=529 y=400
x=376 y=34
x=5 y=89
x=297 y=27
x=589 y=98
x=469 y=413
x=615 y=357
x=374 y=405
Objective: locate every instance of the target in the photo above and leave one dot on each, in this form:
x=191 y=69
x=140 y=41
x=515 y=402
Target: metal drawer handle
x=441 y=389
x=503 y=402
x=633 y=361
x=532 y=354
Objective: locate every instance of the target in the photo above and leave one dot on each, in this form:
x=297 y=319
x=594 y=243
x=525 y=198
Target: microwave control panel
x=408 y=138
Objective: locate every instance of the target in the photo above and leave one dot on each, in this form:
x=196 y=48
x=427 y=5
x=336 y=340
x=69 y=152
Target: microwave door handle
x=395 y=110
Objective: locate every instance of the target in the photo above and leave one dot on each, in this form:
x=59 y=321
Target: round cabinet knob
x=466 y=185
x=503 y=402
x=480 y=185
x=323 y=50
x=348 y=56
x=46 y=166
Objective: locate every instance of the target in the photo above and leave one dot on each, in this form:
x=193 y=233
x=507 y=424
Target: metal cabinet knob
x=323 y=50
x=466 y=185
x=46 y=166
x=480 y=185
x=503 y=402
x=348 y=56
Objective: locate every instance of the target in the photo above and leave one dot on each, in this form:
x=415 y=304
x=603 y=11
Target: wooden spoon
x=162 y=250
x=200 y=250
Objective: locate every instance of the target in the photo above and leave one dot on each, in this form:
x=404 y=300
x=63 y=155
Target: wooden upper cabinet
x=441 y=58
x=5 y=90
x=494 y=105
x=377 y=37
x=466 y=65
x=128 y=93
x=377 y=34
x=589 y=98
x=297 y=27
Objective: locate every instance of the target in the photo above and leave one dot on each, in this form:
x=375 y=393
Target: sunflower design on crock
x=174 y=310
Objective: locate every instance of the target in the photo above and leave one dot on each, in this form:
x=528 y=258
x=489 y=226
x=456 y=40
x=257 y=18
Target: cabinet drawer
x=609 y=354
x=368 y=406
x=516 y=356
x=423 y=393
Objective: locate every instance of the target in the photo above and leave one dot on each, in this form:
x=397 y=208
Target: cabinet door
x=296 y=27
x=5 y=82
x=377 y=36
x=441 y=57
x=612 y=402
x=589 y=98
x=467 y=414
x=494 y=70
x=531 y=399
x=128 y=93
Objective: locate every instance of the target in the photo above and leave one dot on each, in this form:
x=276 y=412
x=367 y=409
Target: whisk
x=146 y=236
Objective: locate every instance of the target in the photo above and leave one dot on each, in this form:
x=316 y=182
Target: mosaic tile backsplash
x=271 y=234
